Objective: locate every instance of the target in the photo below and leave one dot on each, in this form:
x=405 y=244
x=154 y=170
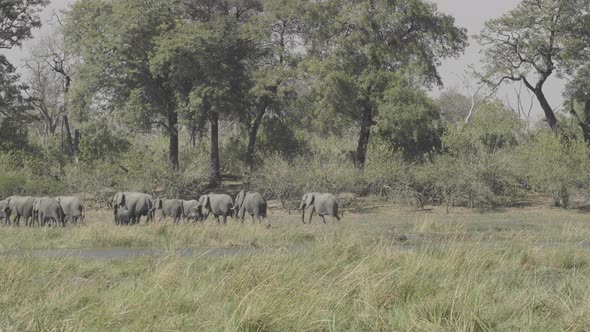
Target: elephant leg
x=323 y=218
x=311 y=214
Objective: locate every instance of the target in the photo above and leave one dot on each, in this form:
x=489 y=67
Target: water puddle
x=129 y=253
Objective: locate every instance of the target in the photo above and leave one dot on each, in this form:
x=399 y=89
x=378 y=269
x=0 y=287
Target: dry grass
x=511 y=270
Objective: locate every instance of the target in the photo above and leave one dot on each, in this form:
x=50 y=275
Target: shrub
x=98 y=142
x=555 y=166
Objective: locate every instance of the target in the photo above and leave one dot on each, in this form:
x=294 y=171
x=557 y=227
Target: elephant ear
x=121 y=199
x=207 y=203
x=310 y=199
x=5 y=206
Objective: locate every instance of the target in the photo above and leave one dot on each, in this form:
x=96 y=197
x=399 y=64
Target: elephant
x=170 y=208
x=194 y=215
x=21 y=206
x=123 y=215
x=188 y=205
x=251 y=203
x=217 y=204
x=73 y=208
x=138 y=204
x=3 y=205
x=49 y=208
x=322 y=203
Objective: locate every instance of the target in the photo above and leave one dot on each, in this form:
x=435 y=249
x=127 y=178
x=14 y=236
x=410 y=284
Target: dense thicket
x=288 y=96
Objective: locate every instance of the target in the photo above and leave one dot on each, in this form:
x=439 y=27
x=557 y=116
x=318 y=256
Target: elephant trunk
x=303 y=213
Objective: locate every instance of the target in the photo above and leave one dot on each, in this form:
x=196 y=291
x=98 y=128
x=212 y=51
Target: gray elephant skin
x=251 y=203
x=190 y=210
x=47 y=208
x=216 y=204
x=20 y=206
x=73 y=208
x=123 y=215
x=188 y=205
x=170 y=208
x=3 y=206
x=321 y=203
x=138 y=205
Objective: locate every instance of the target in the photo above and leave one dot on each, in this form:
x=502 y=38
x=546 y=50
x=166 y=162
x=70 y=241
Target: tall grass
x=340 y=281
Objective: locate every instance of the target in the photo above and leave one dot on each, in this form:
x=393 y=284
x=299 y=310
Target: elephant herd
x=129 y=207
x=41 y=210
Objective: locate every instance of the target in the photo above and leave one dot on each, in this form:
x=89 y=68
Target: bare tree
x=51 y=76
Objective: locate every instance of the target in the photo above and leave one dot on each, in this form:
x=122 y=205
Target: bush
x=99 y=142
x=555 y=166
x=285 y=180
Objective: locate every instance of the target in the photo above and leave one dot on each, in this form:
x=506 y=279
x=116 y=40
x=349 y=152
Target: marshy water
x=412 y=244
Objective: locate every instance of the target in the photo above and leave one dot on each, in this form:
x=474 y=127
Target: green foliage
x=11 y=184
x=13 y=107
x=454 y=106
x=17 y=19
x=233 y=151
x=100 y=142
x=493 y=127
x=409 y=121
x=555 y=166
x=13 y=135
x=277 y=136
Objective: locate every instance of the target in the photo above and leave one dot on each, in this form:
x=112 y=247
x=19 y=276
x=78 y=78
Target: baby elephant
x=123 y=216
x=170 y=208
x=251 y=203
x=322 y=203
x=193 y=214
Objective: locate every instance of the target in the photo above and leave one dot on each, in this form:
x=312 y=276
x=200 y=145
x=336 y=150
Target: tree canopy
x=535 y=41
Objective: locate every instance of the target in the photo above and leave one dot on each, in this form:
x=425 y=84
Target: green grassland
x=382 y=268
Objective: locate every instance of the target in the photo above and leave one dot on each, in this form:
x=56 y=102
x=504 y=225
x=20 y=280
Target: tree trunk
x=549 y=114
x=252 y=137
x=173 y=140
x=193 y=131
x=72 y=150
x=361 y=150
x=586 y=124
x=215 y=179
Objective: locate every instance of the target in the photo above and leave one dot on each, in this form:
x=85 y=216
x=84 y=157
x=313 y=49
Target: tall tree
x=115 y=41
x=50 y=76
x=17 y=19
x=359 y=48
x=203 y=60
x=13 y=109
x=534 y=41
x=277 y=33
x=577 y=92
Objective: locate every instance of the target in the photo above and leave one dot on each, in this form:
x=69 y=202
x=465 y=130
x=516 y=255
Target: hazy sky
x=470 y=14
